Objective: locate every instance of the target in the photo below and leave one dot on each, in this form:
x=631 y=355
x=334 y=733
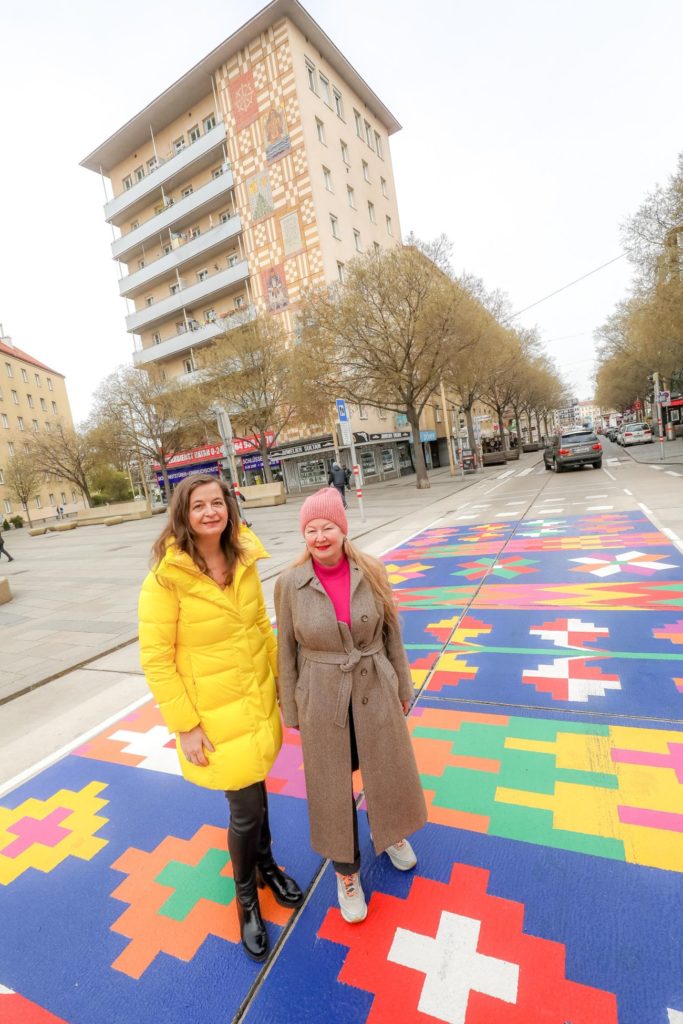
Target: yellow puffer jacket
x=209 y=657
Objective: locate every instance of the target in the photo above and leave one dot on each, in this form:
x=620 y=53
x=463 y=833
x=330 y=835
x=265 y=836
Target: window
x=20 y=420
x=325 y=87
x=327 y=178
x=225 y=217
x=175 y=288
x=194 y=133
x=338 y=103
x=179 y=144
x=73 y=496
x=168 y=249
x=134 y=224
x=383 y=186
x=5 y=421
x=43 y=406
x=368 y=133
x=320 y=129
x=187 y=191
x=39 y=503
x=366 y=171
x=48 y=428
x=37 y=379
x=54 y=408
x=390 y=228
x=181 y=327
x=341 y=272
x=209 y=122
x=52 y=500
x=382 y=413
x=188 y=365
x=139 y=173
x=195 y=232
x=49 y=383
x=377 y=247
x=15 y=397
x=334 y=224
x=156 y=338
x=24 y=375
x=2 y=477
x=362 y=412
x=152 y=164
x=34 y=426
x=378 y=146
x=63 y=497
x=127 y=183
x=371 y=213
x=10 y=446
x=217 y=172
x=162 y=375
x=239 y=302
x=141 y=264
x=233 y=259
x=8 y=370
x=210 y=315
x=149 y=300
x=359 y=123
x=351 y=195
x=8 y=506
x=367 y=461
x=356 y=241
x=29 y=399
x=202 y=275
x=310 y=72
x=437 y=413
x=345 y=153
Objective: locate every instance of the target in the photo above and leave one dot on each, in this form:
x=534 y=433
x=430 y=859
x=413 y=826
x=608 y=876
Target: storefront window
x=312 y=473
x=404 y=457
x=387 y=460
x=367 y=461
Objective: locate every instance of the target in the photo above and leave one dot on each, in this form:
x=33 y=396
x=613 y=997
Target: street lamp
x=226 y=435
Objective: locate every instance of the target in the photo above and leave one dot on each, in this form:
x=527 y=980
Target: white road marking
x=525 y=472
x=644 y=508
x=656 y=467
x=626 y=491
x=671 y=472
x=500 y=515
x=549 y=511
x=466 y=517
x=599 y=508
x=588 y=497
x=515 y=503
x=608 y=473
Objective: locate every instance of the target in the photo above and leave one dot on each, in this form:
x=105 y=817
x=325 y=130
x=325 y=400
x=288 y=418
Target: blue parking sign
x=342 y=414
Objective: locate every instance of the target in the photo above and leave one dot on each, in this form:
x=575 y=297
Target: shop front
x=382 y=456
x=207 y=459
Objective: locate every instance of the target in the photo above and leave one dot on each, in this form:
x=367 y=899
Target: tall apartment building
x=33 y=399
x=260 y=173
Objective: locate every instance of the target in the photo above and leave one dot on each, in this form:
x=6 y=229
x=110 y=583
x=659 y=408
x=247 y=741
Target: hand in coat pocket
x=193 y=744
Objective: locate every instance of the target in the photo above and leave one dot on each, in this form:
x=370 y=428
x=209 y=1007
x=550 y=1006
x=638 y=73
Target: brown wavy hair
x=376 y=575
x=178 y=531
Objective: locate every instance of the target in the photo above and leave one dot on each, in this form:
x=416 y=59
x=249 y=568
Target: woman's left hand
x=405 y=704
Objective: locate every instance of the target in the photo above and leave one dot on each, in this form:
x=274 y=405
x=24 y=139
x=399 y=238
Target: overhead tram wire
x=564 y=287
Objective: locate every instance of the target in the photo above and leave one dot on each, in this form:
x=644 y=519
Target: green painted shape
x=194 y=882
x=460 y=789
x=535 y=825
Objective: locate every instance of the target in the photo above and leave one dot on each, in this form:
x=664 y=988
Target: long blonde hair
x=375 y=574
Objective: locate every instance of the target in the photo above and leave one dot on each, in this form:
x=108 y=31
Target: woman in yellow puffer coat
x=209 y=656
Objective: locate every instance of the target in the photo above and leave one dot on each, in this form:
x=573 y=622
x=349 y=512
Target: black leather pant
x=351 y=867
x=249 y=831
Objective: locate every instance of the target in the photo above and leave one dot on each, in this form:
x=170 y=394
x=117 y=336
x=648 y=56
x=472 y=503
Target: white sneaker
x=351 y=898
x=402 y=855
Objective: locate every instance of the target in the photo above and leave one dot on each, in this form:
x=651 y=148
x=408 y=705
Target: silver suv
x=573 y=448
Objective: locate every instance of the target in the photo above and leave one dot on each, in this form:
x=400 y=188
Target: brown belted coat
x=323 y=667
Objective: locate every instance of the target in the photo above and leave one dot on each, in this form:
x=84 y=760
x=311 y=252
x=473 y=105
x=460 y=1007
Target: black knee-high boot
x=284 y=889
x=246 y=822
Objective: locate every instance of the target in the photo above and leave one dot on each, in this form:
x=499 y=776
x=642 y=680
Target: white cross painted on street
x=453 y=968
x=151 y=747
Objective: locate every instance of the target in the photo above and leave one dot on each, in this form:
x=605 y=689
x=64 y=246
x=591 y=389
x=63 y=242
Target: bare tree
x=64 y=452
x=386 y=337
x=23 y=479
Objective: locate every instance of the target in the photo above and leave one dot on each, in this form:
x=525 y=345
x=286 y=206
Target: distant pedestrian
x=338 y=477
x=3 y=549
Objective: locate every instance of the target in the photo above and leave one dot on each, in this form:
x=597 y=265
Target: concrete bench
x=260 y=495
x=62 y=527
x=511 y=454
x=5 y=592
x=114 y=521
x=493 y=459
x=532 y=446
x=37 y=531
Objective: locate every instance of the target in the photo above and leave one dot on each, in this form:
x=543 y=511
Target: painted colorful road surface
x=547 y=661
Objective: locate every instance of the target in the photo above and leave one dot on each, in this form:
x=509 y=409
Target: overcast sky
x=531 y=130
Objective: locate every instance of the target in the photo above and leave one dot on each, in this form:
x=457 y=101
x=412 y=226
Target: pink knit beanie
x=324 y=504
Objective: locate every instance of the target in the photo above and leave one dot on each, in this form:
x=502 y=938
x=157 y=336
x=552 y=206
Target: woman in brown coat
x=345 y=683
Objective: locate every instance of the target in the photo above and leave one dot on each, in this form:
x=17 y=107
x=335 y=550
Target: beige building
x=260 y=173
x=33 y=399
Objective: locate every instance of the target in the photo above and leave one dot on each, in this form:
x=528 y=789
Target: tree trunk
x=531 y=426
x=28 y=515
x=167 y=482
x=501 y=428
x=471 y=441
x=538 y=424
x=263 y=448
x=420 y=465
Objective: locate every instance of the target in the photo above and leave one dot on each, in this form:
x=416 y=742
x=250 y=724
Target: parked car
x=620 y=434
x=574 y=448
x=612 y=433
x=637 y=433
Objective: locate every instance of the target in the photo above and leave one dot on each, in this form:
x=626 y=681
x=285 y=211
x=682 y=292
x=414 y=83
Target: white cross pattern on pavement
x=151 y=747
x=453 y=968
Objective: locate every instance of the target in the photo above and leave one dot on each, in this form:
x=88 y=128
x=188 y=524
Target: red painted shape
x=15 y=1009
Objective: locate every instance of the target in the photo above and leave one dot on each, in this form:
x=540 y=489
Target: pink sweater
x=337 y=583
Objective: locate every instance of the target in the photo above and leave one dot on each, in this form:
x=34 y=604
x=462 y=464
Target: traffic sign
x=637 y=404
x=342 y=411
x=665 y=398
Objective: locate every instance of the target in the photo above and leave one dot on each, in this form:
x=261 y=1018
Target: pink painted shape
x=674 y=759
x=47 y=832
x=290 y=767
x=651 y=819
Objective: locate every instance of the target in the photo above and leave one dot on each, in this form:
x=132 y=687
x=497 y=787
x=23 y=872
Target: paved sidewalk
x=75 y=593
x=652 y=453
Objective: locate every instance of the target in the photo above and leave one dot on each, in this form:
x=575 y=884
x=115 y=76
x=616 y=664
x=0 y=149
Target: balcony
x=176 y=216
x=170 y=172
x=184 y=251
x=187 y=297
x=193 y=338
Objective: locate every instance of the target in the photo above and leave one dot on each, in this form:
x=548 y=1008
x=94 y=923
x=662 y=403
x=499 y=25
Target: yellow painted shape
x=524 y=798
x=531 y=746
x=653 y=847
x=81 y=841
x=451 y=662
x=653 y=741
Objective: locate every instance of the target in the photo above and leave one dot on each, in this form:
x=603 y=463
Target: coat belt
x=347 y=661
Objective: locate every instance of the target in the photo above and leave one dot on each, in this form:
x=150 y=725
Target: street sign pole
x=660 y=425
x=347 y=440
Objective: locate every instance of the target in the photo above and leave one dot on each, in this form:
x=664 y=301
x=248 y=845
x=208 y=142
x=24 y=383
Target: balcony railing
x=194 y=337
x=169 y=173
x=184 y=250
x=175 y=216
x=187 y=297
